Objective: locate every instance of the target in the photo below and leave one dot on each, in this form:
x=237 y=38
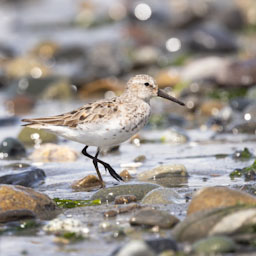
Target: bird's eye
x=146 y=84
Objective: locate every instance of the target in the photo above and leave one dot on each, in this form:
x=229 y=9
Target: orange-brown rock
x=87 y=183
x=125 y=175
x=15 y=197
x=215 y=197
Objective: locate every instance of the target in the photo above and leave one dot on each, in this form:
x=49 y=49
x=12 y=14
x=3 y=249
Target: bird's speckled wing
x=89 y=113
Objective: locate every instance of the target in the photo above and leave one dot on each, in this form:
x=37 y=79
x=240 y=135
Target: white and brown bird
x=107 y=122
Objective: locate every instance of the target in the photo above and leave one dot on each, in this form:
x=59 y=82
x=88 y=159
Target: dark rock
x=12 y=148
x=159 y=245
x=212 y=38
x=31 y=178
x=151 y=217
x=15 y=197
x=7 y=121
x=239 y=104
x=109 y=194
x=13 y=215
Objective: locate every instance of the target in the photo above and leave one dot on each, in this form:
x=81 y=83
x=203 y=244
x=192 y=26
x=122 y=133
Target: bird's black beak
x=163 y=94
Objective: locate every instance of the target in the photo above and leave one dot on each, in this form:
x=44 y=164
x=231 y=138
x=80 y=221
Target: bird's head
x=145 y=87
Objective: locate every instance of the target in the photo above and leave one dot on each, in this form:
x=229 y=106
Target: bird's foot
x=111 y=171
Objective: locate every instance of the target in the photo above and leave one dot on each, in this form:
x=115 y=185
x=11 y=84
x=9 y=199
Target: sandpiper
x=108 y=122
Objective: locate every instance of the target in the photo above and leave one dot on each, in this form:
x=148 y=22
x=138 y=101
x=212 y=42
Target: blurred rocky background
x=56 y=55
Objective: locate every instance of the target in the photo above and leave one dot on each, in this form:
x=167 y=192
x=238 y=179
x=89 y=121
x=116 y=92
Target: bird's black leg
x=95 y=163
x=106 y=165
x=84 y=152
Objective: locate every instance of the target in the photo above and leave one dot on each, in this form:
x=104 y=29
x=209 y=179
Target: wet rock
x=238 y=73
x=161 y=196
x=14 y=215
x=125 y=175
x=53 y=153
x=12 y=148
x=87 y=183
x=166 y=175
x=152 y=217
x=30 y=136
x=109 y=194
x=31 y=178
x=159 y=245
x=140 y=158
x=214 y=244
x=7 y=121
x=67 y=226
x=217 y=221
x=15 y=197
x=134 y=248
x=212 y=38
x=214 y=197
x=125 y=199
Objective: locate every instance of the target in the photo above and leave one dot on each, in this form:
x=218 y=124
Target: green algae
x=69 y=203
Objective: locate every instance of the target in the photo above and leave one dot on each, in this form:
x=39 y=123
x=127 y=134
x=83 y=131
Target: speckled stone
x=109 y=194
